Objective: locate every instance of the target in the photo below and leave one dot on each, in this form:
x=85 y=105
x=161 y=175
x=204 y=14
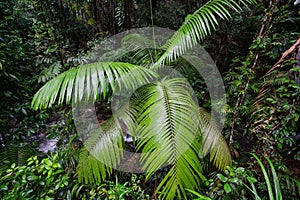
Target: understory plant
x=278 y=186
x=262 y=88
x=166 y=123
x=240 y=183
x=53 y=178
x=45 y=179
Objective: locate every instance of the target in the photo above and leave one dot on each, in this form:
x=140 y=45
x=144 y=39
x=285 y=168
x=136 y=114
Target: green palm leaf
x=198 y=26
x=87 y=81
x=145 y=51
x=135 y=42
x=101 y=153
x=213 y=141
x=168 y=127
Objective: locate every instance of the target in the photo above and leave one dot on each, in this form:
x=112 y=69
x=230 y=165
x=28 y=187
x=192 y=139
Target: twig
x=264 y=89
x=284 y=55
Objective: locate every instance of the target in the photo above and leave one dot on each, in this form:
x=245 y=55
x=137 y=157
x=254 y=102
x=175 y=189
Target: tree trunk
x=128 y=7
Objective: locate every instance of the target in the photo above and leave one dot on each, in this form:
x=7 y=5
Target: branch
x=264 y=88
x=284 y=55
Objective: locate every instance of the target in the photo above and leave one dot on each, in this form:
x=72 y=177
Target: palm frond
x=163 y=117
x=50 y=72
x=101 y=154
x=135 y=42
x=167 y=128
x=198 y=26
x=88 y=81
x=145 y=50
x=213 y=141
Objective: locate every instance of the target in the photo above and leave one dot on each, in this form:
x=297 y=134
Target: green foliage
x=40 y=40
x=15 y=154
x=20 y=123
x=201 y=197
x=102 y=74
x=16 y=52
x=172 y=135
x=118 y=191
x=290 y=186
x=137 y=192
x=213 y=138
x=123 y=191
x=54 y=178
x=263 y=103
x=28 y=181
x=272 y=182
x=232 y=184
x=99 y=147
x=278 y=194
x=277 y=109
x=241 y=183
x=284 y=109
x=169 y=15
x=172 y=143
x=196 y=27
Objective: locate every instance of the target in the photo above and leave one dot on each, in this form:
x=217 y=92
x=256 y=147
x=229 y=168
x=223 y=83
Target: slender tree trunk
x=62 y=14
x=154 y=5
x=128 y=4
x=51 y=16
x=96 y=13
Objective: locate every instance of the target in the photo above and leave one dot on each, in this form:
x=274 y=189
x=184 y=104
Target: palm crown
x=168 y=126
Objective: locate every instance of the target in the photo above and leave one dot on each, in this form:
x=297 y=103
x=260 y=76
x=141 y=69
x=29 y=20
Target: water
x=47 y=145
